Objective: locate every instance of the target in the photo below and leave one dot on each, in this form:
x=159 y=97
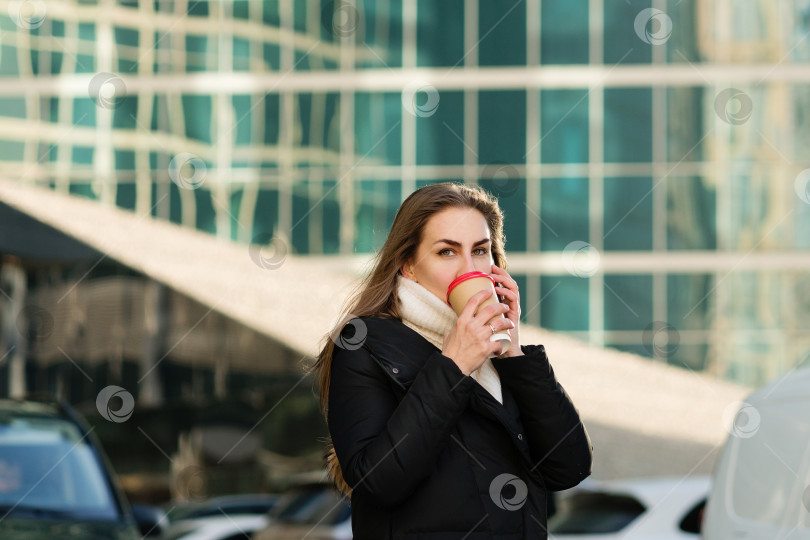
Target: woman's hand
x=509 y=290
x=467 y=343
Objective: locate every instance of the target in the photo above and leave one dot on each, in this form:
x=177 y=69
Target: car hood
x=29 y=529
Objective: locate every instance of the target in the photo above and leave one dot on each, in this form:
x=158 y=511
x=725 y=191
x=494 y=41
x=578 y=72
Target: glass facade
x=648 y=154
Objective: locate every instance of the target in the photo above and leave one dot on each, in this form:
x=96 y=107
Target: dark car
x=55 y=481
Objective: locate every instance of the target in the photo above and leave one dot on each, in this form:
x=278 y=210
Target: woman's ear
x=406 y=270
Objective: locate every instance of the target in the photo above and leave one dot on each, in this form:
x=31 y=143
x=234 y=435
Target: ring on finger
x=492 y=328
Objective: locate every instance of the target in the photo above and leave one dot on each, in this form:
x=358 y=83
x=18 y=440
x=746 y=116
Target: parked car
x=55 y=481
x=223 y=517
x=235 y=527
x=762 y=479
x=652 y=508
x=316 y=511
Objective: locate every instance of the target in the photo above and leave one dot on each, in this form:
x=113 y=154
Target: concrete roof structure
x=645 y=418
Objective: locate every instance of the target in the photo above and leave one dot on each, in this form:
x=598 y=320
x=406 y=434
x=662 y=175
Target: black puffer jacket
x=430 y=454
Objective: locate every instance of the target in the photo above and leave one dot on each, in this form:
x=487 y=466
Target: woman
x=434 y=437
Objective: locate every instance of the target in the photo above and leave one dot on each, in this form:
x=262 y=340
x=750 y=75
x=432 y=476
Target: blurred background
x=650 y=158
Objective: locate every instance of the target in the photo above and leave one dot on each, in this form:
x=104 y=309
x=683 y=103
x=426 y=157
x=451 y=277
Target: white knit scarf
x=423 y=312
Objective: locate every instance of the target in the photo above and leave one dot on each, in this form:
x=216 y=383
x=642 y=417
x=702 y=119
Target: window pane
x=511 y=194
x=691 y=213
x=628 y=125
x=685 y=124
x=377 y=204
x=621 y=42
x=438 y=42
x=502 y=127
x=382 y=32
x=628 y=213
x=564 y=303
x=317 y=125
x=564 y=126
x=378 y=133
x=628 y=302
x=501 y=33
x=564 y=32
x=439 y=136
x=563 y=212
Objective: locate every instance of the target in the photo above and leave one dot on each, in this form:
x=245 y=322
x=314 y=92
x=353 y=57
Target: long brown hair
x=376 y=295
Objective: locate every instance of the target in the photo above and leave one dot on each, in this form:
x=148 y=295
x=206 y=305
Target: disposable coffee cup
x=464 y=287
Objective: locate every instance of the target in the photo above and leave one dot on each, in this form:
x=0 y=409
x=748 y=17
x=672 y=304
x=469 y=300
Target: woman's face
x=455 y=241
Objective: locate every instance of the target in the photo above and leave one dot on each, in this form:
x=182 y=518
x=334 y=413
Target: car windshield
x=48 y=469
x=594 y=513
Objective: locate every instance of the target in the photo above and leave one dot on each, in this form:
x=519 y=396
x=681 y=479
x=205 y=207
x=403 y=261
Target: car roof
x=23 y=406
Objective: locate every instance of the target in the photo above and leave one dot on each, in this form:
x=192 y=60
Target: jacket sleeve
x=557 y=439
x=385 y=448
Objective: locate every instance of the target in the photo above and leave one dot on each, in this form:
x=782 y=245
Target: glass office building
x=650 y=157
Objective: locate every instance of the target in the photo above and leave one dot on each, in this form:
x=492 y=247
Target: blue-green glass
x=82 y=155
x=125 y=194
x=8 y=60
x=628 y=125
x=511 y=194
x=563 y=212
x=235 y=204
x=621 y=42
x=564 y=33
x=200 y=8
x=270 y=13
x=318 y=117
x=628 y=302
x=381 y=31
x=265 y=217
x=196 y=49
x=564 y=126
x=85 y=63
x=377 y=204
x=502 y=126
x=124 y=160
x=377 y=127
x=563 y=303
x=439 y=136
x=205 y=211
x=271 y=53
x=440 y=33
x=686 y=126
x=691 y=213
x=240 y=9
x=628 y=214
x=11 y=150
x=197 y=115
x=56 y=62
x=12 y=107
x=302 y=209
x=126 y=36
x=331 y=221
x=82 y=189
x=689 y=300
x=175 y=203
x=683 y=44
x=57 y=28
x=501 y=33
x=271 y=118
x=300 y=16
x=125 y=113
x=243 y=120
x=241 y=54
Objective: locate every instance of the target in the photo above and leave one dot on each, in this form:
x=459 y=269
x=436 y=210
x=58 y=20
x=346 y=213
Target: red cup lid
x=465 y=277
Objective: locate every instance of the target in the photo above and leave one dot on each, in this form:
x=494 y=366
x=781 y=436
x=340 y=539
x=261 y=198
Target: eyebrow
x=457 y=244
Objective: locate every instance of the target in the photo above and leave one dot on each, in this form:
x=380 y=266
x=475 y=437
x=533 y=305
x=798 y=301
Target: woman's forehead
x=460 y=224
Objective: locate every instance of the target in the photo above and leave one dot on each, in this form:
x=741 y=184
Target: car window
x=45 y=464
x=323 y=506
x=693 y=519
x=594 y=513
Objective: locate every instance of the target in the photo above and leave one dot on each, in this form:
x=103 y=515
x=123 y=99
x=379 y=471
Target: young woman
x=434 y=436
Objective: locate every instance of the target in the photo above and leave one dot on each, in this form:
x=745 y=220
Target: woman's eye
x=445 y=251
x=481 y=251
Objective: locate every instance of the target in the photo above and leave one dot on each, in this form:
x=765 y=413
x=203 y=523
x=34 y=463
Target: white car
x=236 y=527
x=639 y=509
x=315 y=512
